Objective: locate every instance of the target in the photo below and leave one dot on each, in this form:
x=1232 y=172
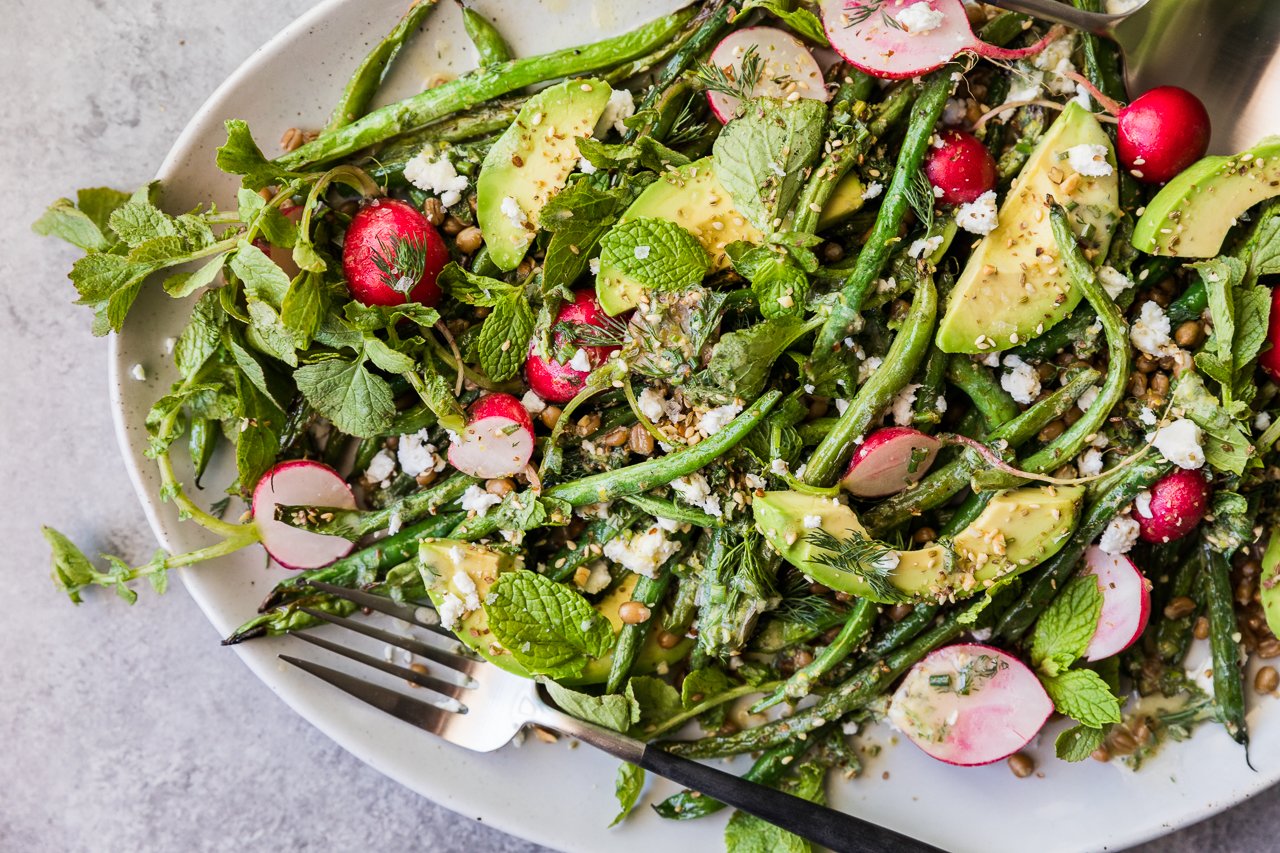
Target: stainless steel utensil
x=474 y=704
x=1225 y=51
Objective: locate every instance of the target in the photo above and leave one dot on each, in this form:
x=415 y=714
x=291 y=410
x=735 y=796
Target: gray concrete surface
x=123 y=729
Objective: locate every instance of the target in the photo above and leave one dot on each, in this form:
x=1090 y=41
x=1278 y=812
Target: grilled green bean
x=975 y=380
x=354 y=523
x=768 y=769
x=489 y=44
x=648 y=592
x=568 y=560
x=1224 y=640
x=853 y=634
x=1173 y=636
x=363 y=85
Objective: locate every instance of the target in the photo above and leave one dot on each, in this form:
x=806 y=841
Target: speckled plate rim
x=1218 y=779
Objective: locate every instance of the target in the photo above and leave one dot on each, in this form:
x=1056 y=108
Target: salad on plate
x=768 y=371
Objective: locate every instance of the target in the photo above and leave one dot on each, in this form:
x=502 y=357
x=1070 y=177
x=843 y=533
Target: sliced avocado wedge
x=692 y=197
x=1019 y=529
x=531 y=162
x=1191 y=215
x=1012 y=287
x=845 y=200
x=442 y=559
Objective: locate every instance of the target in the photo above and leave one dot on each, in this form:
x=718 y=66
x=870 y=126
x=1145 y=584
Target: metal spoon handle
x=1062 y=13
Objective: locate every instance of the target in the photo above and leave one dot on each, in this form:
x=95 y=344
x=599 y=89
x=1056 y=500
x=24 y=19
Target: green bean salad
x=773 y=368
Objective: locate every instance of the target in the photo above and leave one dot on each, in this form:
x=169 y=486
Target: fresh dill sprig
x=863 y=557
x=754 y=575
x=800 y=605
x=401 y=262
x=738 y=84
x=920 y=197
x=687 y=127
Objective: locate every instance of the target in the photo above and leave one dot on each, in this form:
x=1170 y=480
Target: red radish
x=393 y=255
x=970 y=704
x=896 y=39
x=888 y=461
x=300 y=483
x=1179 y=501
x=560 y=383
x=1270 y=359
x=1126 y=603
x=498 y=438
x=786 y=68
x=961 y=168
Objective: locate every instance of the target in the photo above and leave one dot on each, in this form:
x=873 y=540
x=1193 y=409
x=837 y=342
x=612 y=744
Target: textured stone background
x=119 y=728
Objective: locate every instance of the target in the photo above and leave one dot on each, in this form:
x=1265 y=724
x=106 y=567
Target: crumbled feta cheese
x=888 y=561
x=1113 y=281
x=940 y=405
x=533 y=404
x=138 y=372
x=1142 y=503
x=1083 y=96
x=779 y=467
x=1090 y=462
x=511 y=209
x=872 y=190
x=868 y=367
x=586 y=167
x=903 y=406
x=980 y=215
x=598 y=579
x=581 y=361
x=841 y=405
x=381 y=467
x=451 y=610
x=476 y=499
x=696 y=491
x=674 y=409
x=1180 y=443
x=754 y=481
x=394 y=523
x=417 y=456
x=991 y=359
x=1262 y=421
x=1147 y=417
x=711 y=422
x=1150 y=332
x=621 y=106
x=600 y=509
x=812 y=522
x=1021 y=380
x=641 y=252
x=594 y=266
x=644 y=553
x=169 y=344
x=1087 y=398
x=1120 y=536
x=1055 y=61
x=466 y=588
x=919 y=18
x=1089 y=160
x=955 y=111
x=924 y=246
x=650 y=403
x=437 y=176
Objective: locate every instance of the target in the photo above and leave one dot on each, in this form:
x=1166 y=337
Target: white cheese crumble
x=533 y=404
x=138 y=372
x=643 y=553
x=1087 y=398
x=451 y=610
x=924 y=246
x=754 y=481
x=1147 y=417
x=812 y=522
x=991 y=359
x=903 y=406
x=1142 y=503
x=437 y=176
x=1262 y=421
x=841 y=405
x=919 y=18
x=955 y=111
x=1113 y=281
x=641 y=252
x=1121 y=535
x=581 y=361
x=600 y=509
x=381 y=467
x=872 y=190
x=888 y=561
x=696 y=491
x=169 y=344
x=1021 y=380
x=511 y=209
x=1180 y=443
x=1150 y=332
x=394 y=523
x=476 y=499
x=868 y=367
x=714 y=420
x=779 y=467
x=466 y=588
x=598 y=579
x=1055 y=61
x=586 y=167
x=621 y=106
x=1090 y=462
x=416 y=455
x=594 y=266
x=979 y=216
x=1089 y=160
x=650 y=403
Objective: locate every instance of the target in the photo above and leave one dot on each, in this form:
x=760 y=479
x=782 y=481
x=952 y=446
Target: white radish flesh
x=1126 y=603
x=497 y=441
x=888 y=461
x=300 y=483
x=970 y=704
x=896 y=39
x=788 y=70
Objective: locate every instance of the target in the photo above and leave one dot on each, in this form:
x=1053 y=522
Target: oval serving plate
x=293 y=81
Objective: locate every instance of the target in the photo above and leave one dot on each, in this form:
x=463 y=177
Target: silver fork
x=476 y=705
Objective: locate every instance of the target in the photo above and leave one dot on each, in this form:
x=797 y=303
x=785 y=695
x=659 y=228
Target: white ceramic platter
x=554 y=795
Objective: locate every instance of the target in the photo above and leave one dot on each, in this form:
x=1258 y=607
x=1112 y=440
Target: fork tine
x=417 y=647
x=382 y=604
x=415 y=712
x=447 y=689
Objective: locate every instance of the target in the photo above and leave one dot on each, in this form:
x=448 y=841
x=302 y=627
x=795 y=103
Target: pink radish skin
x=1161 y=132
x=1003 y=709
x=1269 y=361
x=882 y=463
x=1126 y=603
x=497 y=441
x=961 y=168
x=788 y=68
x=890 y=51
x=296 y=483
x=1179 y=501
x=559 y=383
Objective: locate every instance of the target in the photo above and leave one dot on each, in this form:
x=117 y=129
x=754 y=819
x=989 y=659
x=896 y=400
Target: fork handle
x=826 y=826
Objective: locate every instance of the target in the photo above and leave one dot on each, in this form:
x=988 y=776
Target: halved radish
x=970 y=704
x=392 y=255
x=295 y=483
x=1126 y=603
x=560 y=382
x=1179 y=502
x=961 y=168
x=888 y=461
x=498 y=439
x=896 y=39
x=787 y=68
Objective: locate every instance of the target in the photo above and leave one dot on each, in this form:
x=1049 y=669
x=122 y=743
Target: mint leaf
x=71 y=568
x=242 y=156
x=548 y=628
x=749 y=834
x=98 y=203
x=741 y=361
x=184 y=284
x=627 y=788
x=612 y=711
x=1082 y=695
x=1220 y=277
x=263 y=279
x=257 y=441
x=577 y=217
x=646 y=152
x=66 y=222
x=304 y=307
x=1063 y=633
x=386 y=358
x=136 y=222
x=268 y=333
x=279 y=229
x=265 y=380
x=109 y=284
x=761 y=157
x=703 y=684
x=473 y=289
x=200 y=338
x=656 y=253
x=1263 y=250
x=800 y=21
x=358 y=402
x=504 y=337
x=1229 y=449
x=438 y=395
x=1233 y=522
x=657 y=701
x=779 y=285
x=1078 y=742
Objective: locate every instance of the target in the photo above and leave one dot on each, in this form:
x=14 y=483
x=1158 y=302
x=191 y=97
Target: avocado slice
x=531 y=161
x=1019 y=529
x=1191 y=215
x=442 y=559
x=845 y=200
x=1013 y=287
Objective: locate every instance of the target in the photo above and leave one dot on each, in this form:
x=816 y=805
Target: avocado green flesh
x=1013 y=287
x=845 y=200
x=1019 y=529
x=1191 y=215
x=483 y=565
x=532 y=161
